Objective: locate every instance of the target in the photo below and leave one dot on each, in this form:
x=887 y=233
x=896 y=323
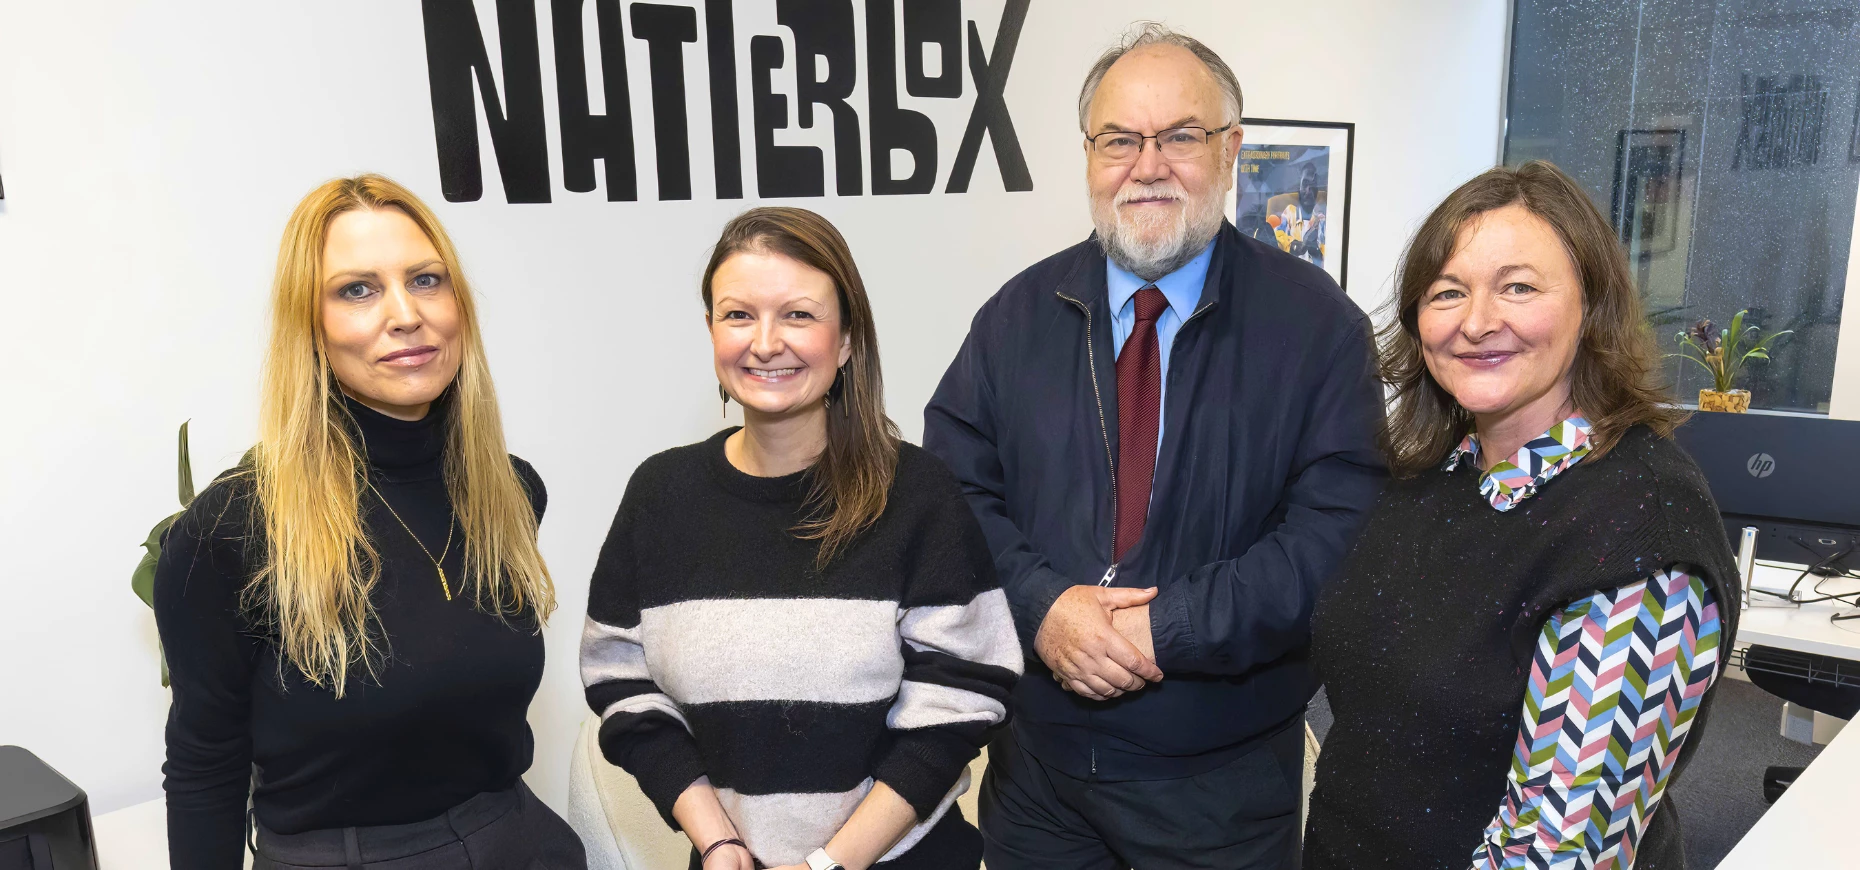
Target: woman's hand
x=701 y=816
x=731 y=857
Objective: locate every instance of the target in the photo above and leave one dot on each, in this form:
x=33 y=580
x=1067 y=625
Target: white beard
x=1149 y=245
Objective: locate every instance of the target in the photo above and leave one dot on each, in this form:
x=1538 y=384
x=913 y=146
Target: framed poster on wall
x=1292 y=189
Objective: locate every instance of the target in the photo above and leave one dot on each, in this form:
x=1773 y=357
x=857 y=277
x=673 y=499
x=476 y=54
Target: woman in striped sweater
x=795 y=637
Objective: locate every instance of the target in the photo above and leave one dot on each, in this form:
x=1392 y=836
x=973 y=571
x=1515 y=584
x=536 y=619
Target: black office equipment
x=44 y=818
x=1792 y=476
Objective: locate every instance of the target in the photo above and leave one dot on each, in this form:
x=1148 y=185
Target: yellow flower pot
x=1733 y=402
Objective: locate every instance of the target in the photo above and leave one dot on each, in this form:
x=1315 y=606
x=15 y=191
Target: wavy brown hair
x=1615 y=381
x=852 y=478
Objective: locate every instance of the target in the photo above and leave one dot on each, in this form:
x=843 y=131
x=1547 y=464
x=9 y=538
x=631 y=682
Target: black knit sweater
x=714 y=647
x=445 y=721
x=1424 y=643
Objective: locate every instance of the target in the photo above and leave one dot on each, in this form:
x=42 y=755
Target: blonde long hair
x=319 y=565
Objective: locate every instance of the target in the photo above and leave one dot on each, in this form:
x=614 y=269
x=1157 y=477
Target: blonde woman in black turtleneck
x=351 y=618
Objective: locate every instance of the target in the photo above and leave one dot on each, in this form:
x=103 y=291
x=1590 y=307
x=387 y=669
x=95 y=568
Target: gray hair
x=1145 y=33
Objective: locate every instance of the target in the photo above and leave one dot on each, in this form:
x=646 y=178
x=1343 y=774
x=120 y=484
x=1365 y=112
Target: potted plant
x=143 y=580
x=1723 y=354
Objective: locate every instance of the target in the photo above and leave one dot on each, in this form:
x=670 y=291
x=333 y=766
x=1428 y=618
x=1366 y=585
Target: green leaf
x=1764 y=342
x=1696 y=361
x=186 y=471
x=143 y=580
x=1759 y=353
x=1737 y=327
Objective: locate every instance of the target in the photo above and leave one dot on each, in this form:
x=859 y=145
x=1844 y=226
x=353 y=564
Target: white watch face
x=820 y=861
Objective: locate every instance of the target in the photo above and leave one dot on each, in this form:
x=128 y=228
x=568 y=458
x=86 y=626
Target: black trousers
x=1241 y=816
x=503 y=830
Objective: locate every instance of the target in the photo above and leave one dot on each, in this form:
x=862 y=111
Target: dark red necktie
x=1139 y=415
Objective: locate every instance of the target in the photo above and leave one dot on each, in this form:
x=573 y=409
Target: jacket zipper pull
x=1109 y=575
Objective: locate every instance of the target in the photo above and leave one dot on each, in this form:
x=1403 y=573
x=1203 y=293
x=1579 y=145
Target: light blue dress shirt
x=1181 y=287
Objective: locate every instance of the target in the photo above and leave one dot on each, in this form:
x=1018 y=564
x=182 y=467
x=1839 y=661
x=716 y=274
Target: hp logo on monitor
x=1761 y=465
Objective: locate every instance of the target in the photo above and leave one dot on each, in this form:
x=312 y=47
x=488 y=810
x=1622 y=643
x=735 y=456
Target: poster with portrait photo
x=1292 y=189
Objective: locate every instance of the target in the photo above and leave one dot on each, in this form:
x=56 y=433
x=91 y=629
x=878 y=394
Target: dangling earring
x=726 y=400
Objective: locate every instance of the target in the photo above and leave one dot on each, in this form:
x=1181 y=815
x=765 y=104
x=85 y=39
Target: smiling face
x=777 y=330
x=1500 y=327
x=390 y=320
x=1152 y=214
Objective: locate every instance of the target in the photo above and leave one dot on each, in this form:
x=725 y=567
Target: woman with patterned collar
x=1520 y=649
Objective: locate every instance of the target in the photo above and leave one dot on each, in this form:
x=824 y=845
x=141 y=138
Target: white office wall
x=151 y=152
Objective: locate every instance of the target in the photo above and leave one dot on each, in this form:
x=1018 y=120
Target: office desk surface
x=1806 y=827
x=1804 y=628
x=133 y=838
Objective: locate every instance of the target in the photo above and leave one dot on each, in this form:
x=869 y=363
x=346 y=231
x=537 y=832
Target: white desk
x=1804 y=828
x=1805 y=628
x=135 y=838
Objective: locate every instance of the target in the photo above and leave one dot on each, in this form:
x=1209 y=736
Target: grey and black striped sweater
x=714 y=648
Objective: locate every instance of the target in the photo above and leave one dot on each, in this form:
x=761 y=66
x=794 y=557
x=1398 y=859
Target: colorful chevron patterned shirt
x=1616 y=680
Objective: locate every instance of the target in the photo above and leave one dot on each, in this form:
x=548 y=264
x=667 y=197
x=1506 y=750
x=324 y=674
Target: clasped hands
x=1096 y=640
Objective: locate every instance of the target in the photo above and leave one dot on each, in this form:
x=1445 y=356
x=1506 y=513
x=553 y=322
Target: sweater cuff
x=208 y=837
x=662 y=758
x=923 y=765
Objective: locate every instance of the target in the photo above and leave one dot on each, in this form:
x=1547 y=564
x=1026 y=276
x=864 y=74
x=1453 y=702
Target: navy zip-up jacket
x=1267 y=469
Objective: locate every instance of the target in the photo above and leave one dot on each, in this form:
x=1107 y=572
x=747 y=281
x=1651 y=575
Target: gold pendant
x=442 y=582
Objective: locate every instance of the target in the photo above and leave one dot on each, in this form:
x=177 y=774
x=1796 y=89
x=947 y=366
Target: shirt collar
x=1540 y=459
x=1181 y=287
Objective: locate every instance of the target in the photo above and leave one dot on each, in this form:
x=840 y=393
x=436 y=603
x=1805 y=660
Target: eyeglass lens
x=1180 y=143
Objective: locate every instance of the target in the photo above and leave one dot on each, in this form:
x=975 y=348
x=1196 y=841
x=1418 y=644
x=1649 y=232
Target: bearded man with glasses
x=1168 y=433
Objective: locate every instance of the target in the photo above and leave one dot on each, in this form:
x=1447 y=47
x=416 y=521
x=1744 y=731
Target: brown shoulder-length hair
x=852 y=478
x=1615 y=381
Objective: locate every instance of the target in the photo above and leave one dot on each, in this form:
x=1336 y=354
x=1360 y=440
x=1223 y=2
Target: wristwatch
x=820 y=861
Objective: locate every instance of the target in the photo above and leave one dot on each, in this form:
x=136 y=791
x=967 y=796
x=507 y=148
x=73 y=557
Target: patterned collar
x=1516 y=479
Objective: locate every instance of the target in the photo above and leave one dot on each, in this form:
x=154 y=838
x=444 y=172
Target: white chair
x=620 y=827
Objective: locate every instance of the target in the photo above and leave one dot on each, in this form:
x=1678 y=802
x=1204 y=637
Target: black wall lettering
x=824 y=28
x=898 y=35
x=781 y=170
x=725 y=142
x=926 y=22
x=666 y=29
x=893 y=127
x=990 y=113
x=455 y=52
x=586 y=136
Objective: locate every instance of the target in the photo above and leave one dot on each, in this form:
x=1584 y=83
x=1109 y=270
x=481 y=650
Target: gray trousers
x=504 y=830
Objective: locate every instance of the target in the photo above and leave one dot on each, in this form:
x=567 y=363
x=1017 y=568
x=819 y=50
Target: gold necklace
x=416 y=539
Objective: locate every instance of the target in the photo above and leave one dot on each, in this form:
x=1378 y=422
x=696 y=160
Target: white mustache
x=1160 y=190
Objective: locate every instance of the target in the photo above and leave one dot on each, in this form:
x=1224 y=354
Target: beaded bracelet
x=718 y=845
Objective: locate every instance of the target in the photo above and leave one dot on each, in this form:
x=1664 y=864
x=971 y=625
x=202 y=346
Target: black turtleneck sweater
x=442 y=720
